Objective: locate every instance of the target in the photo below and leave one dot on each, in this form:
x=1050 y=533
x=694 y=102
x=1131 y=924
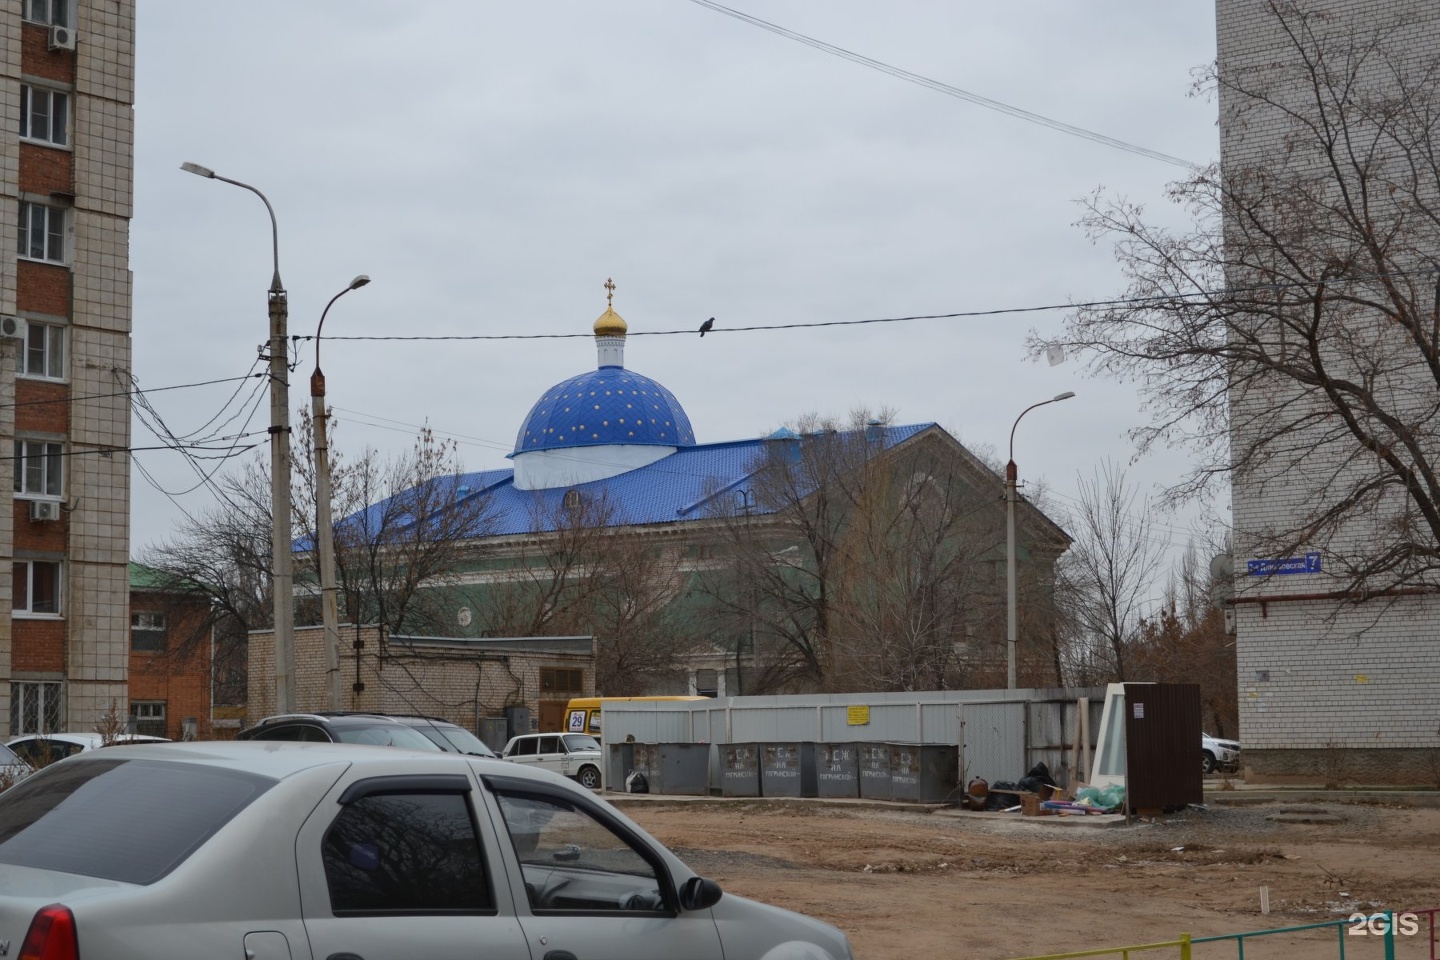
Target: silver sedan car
x=284 y=851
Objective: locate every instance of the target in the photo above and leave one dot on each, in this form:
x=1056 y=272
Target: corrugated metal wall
x=1024 y=726
x=995 y=741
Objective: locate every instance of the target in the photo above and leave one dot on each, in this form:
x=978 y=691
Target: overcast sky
x=489 y=165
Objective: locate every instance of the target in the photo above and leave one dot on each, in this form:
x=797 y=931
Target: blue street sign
x=1310 y=563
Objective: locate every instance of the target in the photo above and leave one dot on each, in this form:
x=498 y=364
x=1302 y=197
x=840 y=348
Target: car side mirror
x=700 y=894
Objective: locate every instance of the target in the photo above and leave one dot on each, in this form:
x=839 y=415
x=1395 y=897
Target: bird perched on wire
x=707 y=326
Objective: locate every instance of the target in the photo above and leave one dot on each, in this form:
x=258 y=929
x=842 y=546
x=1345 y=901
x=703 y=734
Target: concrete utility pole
x=324 y=525
x=281 y=559
x=1012 y=494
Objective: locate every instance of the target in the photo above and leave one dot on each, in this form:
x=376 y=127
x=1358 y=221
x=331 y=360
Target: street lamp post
x=324 y=527
x=1012 y=613
x=281 y=562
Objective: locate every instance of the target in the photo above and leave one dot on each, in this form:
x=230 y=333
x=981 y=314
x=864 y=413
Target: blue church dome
x=611 y=405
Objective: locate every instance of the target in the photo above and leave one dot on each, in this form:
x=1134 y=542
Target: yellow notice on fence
x=857 y=716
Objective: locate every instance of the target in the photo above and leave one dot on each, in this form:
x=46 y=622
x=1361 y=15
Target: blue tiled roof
x=691 y=483
x=605 y=406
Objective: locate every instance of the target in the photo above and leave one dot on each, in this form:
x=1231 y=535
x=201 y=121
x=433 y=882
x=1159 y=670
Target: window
x=301 y=732
x=44 y=115
x=38 y=466
x=561 y=684
x=42 y=232
x=147 y=631
x=707 y=683
x=405 y=853
x=34 y=706
x=99 y=819
x=574 y=862
x=55 y=12
x=44 y=353
x=37 y=590
x=149 y=717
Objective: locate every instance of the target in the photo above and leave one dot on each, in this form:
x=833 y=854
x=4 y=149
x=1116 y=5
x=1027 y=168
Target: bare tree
x=408 y=522
x=1186 y=642
x=581 y=573
x=407 y=519
x=1107 y=577
x=844 y=565
x=1306 y=293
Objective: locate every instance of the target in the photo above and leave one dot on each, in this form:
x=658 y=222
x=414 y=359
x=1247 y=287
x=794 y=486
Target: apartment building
x=1339 y=669
x=65 y=166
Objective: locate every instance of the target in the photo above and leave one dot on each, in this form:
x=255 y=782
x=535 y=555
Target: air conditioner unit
x=44 y=510
x=12 y=327
x=62 y=38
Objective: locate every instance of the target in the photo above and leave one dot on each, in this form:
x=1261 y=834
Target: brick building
x=497 y=686
x=65 y=165
x=171 y=652
x=1337 y=682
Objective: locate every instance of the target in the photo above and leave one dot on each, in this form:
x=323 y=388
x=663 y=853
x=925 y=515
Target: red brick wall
x=42 y=287
x=41 y=405
x=37 y=645
x=45 y=170
x=40 y=61
x=182 y=682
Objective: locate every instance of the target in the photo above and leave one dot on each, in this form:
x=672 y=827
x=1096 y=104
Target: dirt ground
x=904 y=883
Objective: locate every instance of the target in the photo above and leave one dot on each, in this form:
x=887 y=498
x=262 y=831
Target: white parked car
x=13 y=768
x=1217 y=754
x=294 y=849
x=573 y=755
x=42 y=749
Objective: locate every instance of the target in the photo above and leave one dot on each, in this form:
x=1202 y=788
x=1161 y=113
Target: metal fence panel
x=994 y=741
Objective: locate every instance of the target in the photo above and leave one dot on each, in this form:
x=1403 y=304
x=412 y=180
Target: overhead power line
x=128 y=393
x=947 y=89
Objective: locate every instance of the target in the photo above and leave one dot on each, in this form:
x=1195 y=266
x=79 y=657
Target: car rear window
x=100 y=818
x=458 y=737
x=384 y=733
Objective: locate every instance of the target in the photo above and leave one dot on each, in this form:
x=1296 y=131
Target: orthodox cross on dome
x=609 y=292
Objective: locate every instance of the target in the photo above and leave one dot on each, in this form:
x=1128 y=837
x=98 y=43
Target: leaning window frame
x=50 y=459
x=29 y=86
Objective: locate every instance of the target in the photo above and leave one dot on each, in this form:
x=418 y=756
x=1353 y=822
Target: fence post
x=1184 y=946
x=1390 y=937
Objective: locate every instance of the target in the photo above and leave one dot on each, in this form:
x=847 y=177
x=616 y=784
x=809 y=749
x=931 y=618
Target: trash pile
x=1036 y=794
x=1090 y=800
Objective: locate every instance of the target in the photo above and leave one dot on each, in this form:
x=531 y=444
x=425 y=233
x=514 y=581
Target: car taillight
x=51 y=935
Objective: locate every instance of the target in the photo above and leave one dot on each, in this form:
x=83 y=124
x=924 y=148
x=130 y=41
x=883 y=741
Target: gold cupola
x=610 y=332
x=610 y=323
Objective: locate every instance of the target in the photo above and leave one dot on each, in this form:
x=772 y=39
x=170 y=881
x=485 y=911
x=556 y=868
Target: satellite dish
x=1222 y=580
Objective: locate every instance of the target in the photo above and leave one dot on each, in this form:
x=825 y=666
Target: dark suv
x=450 y=737
x=367 y=728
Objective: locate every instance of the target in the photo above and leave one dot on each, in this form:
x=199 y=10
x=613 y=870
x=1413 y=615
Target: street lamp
x=281 y=561
x=324 y=527
x=1012 y=619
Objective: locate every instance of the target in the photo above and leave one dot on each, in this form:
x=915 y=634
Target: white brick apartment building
x=1332 y=685
x=66 y=162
